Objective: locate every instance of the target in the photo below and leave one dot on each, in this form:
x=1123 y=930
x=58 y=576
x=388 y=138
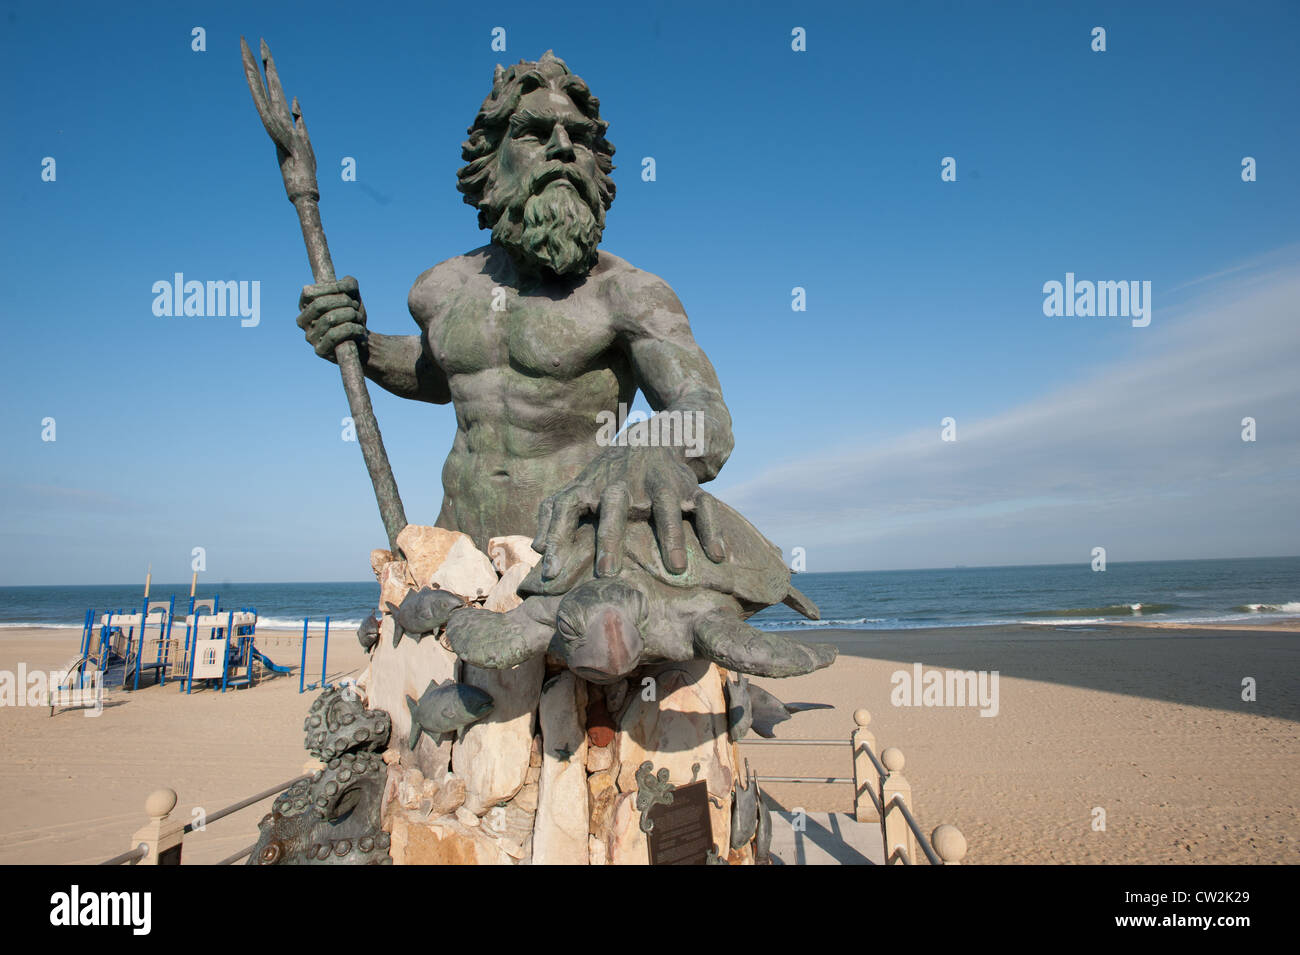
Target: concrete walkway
x=828 y=838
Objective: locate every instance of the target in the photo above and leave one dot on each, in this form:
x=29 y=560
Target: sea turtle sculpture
x=605 y=627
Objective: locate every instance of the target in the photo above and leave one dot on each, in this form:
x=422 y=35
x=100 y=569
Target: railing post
x=897 y=833
x=161 y=837
x=949 y=843
x=866 y=781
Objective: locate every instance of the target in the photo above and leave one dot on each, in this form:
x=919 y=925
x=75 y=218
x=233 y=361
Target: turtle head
x=598 y=627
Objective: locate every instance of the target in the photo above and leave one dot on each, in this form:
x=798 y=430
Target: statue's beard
x=555 y=233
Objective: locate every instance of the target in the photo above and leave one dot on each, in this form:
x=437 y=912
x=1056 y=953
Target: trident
x=298 y=167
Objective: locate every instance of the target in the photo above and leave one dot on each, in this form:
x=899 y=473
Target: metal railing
x=130 y=857
x=161 y=840
x=798 y=742
x=881 y=795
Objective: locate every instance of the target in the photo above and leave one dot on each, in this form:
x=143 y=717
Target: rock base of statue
x=561 y=771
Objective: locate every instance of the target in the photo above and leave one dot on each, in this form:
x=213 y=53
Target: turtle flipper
x=799 y=602
x=734 y=644
x=499 y=641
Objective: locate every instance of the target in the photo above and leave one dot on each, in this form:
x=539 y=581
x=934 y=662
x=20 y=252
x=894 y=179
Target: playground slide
x=273 y=667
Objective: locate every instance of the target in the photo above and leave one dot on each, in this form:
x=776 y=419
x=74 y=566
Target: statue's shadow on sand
x=1189 y=667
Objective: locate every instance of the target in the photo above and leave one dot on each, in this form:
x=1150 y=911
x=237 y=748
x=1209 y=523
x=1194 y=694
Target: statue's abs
x=527 y=384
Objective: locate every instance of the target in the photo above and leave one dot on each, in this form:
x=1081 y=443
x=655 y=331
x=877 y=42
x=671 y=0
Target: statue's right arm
x=402 y=364
x=332 y=313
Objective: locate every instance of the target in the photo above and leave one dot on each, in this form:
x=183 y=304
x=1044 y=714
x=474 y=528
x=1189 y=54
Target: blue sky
x=775 y=169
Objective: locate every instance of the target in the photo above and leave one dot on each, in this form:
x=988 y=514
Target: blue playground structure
x=218 y=646
x=112 y=643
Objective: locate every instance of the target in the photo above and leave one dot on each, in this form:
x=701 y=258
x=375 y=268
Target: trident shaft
x=298 y=167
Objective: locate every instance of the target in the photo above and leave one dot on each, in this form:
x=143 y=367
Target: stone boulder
x=560 y=833
x=406 y=670
x=506 y=552
x=626 y=844
x=686 y=724
x=378 y=558
x=443 y=841
x=492 y=754
x=504 y=594
x=447 y=560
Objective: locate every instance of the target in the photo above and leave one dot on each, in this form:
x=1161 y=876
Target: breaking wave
x=317 y=623
x=1110 y=610
x=1291 y=606
x=857 y=623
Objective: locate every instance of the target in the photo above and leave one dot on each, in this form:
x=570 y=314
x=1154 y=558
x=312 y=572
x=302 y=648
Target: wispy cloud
x=82 y=498
x=1143 y=455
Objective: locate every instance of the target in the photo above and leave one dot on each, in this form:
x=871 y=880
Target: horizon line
x=894 y=570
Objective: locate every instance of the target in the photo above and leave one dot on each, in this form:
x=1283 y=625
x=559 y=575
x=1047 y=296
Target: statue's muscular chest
x=537 y=335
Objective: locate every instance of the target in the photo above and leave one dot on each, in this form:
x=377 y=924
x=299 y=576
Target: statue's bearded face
x=543 y=199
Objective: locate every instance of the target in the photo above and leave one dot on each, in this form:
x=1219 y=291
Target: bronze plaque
x=682 y=833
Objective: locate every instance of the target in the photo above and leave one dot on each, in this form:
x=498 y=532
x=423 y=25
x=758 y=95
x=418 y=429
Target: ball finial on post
x=160 y=838
x=949 y=843
x=893 y=759
x=160 y=803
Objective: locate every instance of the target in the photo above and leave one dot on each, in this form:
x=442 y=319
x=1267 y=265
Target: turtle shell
x=752 y=572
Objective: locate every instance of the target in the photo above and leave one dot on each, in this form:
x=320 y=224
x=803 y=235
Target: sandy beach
x=1141 y=722
x=1147 y=725
x=75 y=786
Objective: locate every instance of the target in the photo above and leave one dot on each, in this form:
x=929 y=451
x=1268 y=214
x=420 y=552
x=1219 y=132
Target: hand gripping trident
x=298 y=167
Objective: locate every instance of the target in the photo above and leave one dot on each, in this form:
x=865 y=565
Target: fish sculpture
x=422 y=612
x=368 y=632
x=444 y=708
x=749 y=705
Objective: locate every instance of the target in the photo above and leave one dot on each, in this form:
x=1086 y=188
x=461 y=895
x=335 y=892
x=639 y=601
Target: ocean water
x=1250 y=589
x=1186 y=591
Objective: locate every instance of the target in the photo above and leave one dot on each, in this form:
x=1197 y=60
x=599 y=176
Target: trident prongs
x=271 y=106
x=284 y=125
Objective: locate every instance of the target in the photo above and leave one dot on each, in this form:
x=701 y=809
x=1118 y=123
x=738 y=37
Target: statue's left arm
x=675 y=375
x=655 y=475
